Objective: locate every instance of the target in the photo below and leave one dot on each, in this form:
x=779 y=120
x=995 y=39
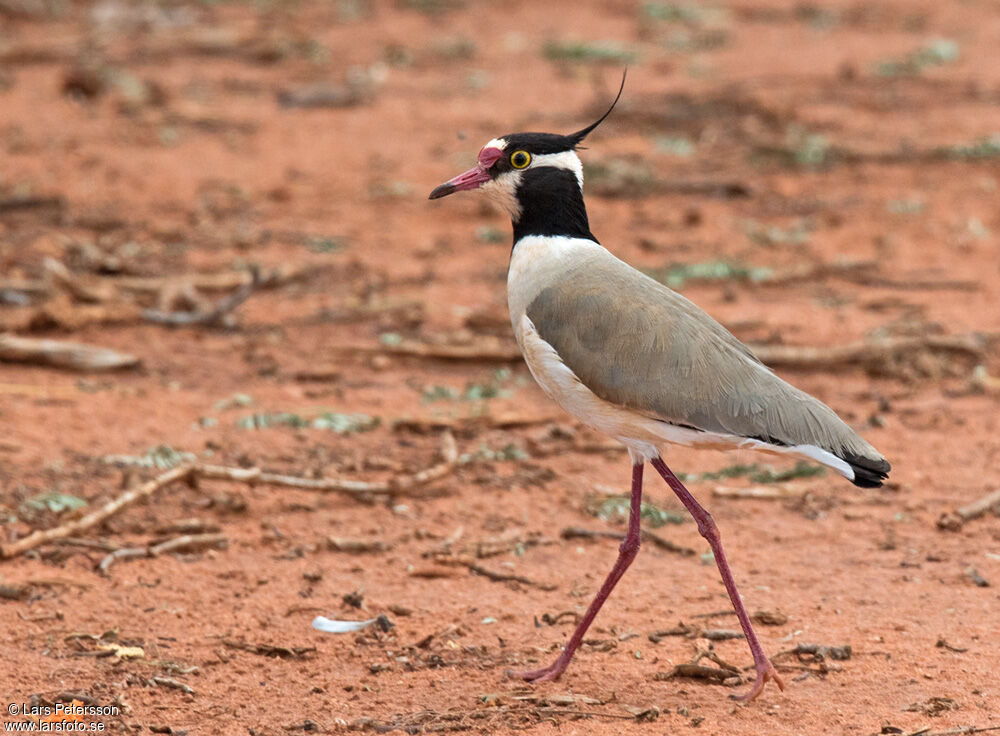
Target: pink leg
x=708 y=529
x=626 y=553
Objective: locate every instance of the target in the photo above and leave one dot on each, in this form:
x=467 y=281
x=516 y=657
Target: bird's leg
x=626 y=553
x=708 y=529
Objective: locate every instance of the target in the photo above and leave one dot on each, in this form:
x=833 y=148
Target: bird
x=637 y=361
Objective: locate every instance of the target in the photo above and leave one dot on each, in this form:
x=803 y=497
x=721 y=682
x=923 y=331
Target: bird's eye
x=520 y=159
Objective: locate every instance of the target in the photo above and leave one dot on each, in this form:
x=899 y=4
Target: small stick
x=184 y=543
x=269 y=650
x=977 y=508
x=818 y=652
x=14 y=204
x=96 y=517
x=78 y=288
x=222 y=281
x=500 y=420
x=682 y=629
x=575 y=532
x=499 y=577
x=866 y=353
x=126 y=553
x=153 y=285
x=354 y=488
x=500 y=351
x=188 y=526
x=709 y=654
x=698 y=671
x=860 y=272
x=759 y=492
x=715 y=614
x=720 y=634
x=355 y=546
x=215 y=316
x=35 y=287
x=60 y=354
x=188 y=543
x=61 y=312
x=502 y=545
x=98 y=544
x=172 y=683
x=545 y=710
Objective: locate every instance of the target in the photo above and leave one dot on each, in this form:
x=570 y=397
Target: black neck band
x=551 y=204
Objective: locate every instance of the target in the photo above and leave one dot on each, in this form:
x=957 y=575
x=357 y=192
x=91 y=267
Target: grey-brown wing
x=635 y=343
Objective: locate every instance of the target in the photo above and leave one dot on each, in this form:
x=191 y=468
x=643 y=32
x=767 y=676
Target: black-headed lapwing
x=631 y=358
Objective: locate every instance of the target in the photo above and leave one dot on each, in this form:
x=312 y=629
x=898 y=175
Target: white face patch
x=566 y=160
x=503 y=191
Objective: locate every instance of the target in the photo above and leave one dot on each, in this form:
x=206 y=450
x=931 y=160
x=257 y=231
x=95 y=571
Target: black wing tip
x=868 y=472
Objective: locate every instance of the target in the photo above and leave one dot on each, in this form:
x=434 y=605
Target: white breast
x=537 y=262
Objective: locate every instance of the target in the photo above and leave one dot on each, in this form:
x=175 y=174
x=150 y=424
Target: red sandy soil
x=175 y=156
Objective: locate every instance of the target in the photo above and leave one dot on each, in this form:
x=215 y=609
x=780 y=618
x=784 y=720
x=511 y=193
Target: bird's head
x=515 y=167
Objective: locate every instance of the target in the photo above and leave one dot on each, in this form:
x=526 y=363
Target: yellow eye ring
x=520 y=159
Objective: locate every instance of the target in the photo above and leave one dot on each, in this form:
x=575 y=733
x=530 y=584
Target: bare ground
x=759 y=144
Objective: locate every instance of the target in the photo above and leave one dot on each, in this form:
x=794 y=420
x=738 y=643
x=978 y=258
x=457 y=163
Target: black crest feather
x=577 y=137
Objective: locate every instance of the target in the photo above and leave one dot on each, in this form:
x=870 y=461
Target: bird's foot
x=546 y=674
x=765 y=672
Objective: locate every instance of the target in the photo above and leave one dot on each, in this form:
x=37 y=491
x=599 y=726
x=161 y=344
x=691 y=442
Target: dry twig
x=817 y=652
x=20 y=204
x=696 y=671
x=498 y=420
x=714 y=656
x=83 y=290
x=979 y=507
x=61 y=354
x=575 y=532
x=865 y=273
x=873 y=353
x=353 y=488
x=356 y=546
x=507 y=543
x=23 y=589
x=120 y=286
x=759 y=492
x=173 y=684
x=500 y=351
x=96 y=517
x=220 y=314
x=112 y=298
x=500 y=577
x=960 y=731
x=270 y=650
x=64 y=313
x=954 y=520
x=185 y=543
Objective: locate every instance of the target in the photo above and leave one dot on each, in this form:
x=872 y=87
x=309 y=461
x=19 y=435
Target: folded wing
x=637 y=344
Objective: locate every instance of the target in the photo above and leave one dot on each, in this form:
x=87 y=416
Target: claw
x=765 y=672
x=545 y=674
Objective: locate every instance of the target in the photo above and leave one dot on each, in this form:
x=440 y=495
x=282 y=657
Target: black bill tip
x=442 y=191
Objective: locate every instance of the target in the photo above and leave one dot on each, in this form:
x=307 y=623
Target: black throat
x=551 y=204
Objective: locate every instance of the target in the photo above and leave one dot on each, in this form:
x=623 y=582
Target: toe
x=765 y=672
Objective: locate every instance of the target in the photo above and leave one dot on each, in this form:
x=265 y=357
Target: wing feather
x=638 y=344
